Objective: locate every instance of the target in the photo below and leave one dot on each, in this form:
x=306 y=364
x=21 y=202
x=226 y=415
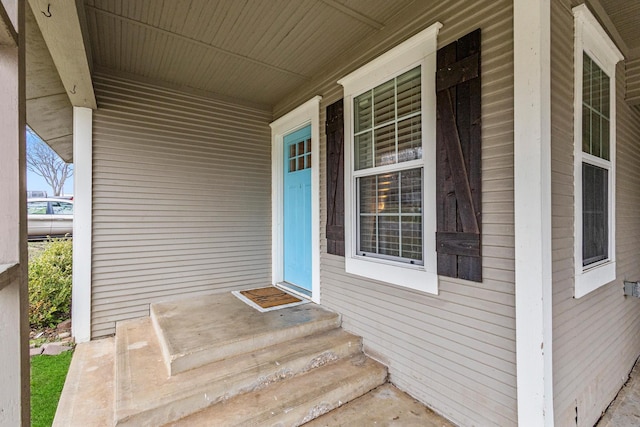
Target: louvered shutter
x=458 y=237
x=335 y=178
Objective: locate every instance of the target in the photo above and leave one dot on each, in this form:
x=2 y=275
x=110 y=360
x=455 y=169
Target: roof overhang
x=8 y=35
x=58 y=71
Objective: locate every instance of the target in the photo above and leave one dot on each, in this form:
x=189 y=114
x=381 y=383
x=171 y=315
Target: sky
x=37 y=183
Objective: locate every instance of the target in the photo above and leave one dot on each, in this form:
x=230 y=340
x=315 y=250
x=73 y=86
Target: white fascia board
x=532 y=182
x=61 y=29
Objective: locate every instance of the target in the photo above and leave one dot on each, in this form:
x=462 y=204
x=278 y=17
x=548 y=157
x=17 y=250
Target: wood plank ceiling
x=625 y=16
x=254 y=50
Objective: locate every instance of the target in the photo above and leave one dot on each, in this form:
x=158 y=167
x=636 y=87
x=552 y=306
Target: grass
x=47 y=379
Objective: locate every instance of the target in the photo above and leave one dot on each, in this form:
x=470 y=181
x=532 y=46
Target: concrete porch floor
x=624 y=411
x=88 y=395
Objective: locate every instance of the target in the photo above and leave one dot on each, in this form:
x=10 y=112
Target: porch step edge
x=144 y=397
x=297 y=400
x=179 y=359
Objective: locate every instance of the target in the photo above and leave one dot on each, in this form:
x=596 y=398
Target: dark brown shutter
x=335 y=178
x=458 y=238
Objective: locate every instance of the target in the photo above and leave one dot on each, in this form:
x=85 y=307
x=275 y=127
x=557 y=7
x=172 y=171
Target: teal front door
x=297 y=209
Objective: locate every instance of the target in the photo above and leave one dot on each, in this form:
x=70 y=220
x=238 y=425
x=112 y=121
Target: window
x=37 y=208
x=62 y=208
x=594 y=170
x=387 y=132
x=390 y=165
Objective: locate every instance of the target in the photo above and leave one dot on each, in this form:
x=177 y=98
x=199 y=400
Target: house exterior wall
x=595 y=337
x=181 y=198
x=633 y=80
x=455 y=351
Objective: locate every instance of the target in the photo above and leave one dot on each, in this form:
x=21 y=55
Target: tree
x=43 y=161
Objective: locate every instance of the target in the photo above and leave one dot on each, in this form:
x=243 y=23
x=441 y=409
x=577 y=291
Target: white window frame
x=418 y=50
x=592 y=39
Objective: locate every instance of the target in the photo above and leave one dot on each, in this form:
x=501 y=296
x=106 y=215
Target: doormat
x=268 y=299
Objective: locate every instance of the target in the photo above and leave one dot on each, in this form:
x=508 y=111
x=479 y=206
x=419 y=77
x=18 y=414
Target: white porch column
x=14 y=308
x=532 y=164
x=82 y=197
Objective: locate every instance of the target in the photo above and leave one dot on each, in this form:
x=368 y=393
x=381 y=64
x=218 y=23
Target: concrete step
x=146 y=395
x=202 y=330
x=297 y=400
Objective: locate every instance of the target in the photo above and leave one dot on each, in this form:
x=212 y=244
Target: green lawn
x=47 y=379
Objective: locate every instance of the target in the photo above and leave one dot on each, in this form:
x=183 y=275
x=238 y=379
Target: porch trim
x=82 y=219
x=305 y=114
x=532 y=198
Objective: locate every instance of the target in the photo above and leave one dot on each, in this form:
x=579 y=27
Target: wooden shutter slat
x=335 y=178
x=456 y=243
x=458 y=83
x=451 y=139
x=457 y=73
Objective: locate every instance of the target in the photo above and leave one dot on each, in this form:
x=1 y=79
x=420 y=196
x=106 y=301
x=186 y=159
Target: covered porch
x=217 y=360
x=176 y=114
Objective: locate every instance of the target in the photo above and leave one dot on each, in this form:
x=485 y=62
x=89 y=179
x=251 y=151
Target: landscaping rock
x=64 y=335
x=35 y=351
x=64 y=326
x=55 y=349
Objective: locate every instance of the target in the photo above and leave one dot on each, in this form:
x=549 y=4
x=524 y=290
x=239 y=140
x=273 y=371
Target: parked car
x=49 y=217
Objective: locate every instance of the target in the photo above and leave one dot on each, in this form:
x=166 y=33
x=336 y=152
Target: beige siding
x=455 y=351
x=633 y=81
x=182 y=198
x=595 y=338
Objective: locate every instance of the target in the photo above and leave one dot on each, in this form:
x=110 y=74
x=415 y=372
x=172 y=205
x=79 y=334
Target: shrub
x=50 y=277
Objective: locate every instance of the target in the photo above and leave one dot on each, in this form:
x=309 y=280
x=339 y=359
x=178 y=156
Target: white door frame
x=304 y=115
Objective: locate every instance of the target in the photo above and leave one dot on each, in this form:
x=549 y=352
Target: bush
x=50 y=277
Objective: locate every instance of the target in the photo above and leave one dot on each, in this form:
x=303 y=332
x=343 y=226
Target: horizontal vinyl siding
x=595 y=338
x=182 y=197
x=633 y=80
x=455 y=351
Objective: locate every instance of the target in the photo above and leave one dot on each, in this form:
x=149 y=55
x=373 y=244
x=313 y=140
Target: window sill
x=412 y=277
x=589 y=280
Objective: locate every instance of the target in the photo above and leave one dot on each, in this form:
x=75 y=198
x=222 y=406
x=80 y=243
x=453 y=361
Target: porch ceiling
x=625 y=16
x=257 y=51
